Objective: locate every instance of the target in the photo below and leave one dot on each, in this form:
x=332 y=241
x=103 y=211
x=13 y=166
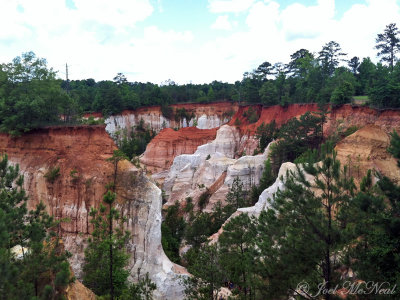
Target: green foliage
x=312 y=229
x=143 y=290
x=199 y=230
x=343 y=93
x=228 y=114
x=394 y=147
x=208 y=157
x=92 y=121
x=267 y=179
x=52 y=174
x=134 y=142
x=105 y=256
x=269 y=93
x=182 y=113
x=265 y=134
x=329 y=57
x=236 y=197
x=189 y=205
x=207 y=274
x=203 y=199
x=314 y=210
x=388 y=44
x=251 y=115
x=375 y=254
x=350 y=130
x=237 y=243
x=172 y=231
x=167 y=111
x=42 y=269
x=31 y=96
x=385 y=90
x=296 y=136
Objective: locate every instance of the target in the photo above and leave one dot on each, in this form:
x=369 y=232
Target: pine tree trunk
x=111 y=255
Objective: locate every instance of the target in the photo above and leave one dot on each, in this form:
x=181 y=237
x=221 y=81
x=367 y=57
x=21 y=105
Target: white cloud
x=116 y=13
x=300 y=21
x=100 y=38
x=273 y=34
x=222 y=22
x=229 y=6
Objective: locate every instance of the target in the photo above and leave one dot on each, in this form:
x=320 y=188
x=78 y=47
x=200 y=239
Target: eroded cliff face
x=205 y=116
x=364 y=150
x=161 y=152
x=367 y=149
x=168 y=144
x=344 y=116
x=81 y=153
x=212 y=169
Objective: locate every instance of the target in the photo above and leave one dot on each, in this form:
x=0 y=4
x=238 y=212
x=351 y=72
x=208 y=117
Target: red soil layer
x=83 y=149
x=168 y=144
x=346 y=115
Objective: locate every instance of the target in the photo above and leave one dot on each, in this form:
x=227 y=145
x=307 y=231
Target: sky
x=185 y=41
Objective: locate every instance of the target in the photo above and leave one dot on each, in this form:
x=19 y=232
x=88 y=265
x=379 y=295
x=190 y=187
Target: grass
x=360 y=100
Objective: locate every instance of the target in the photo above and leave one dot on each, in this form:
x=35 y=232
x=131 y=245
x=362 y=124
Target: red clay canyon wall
x=162 y=150
x=168 y=144
x=81 y=153
x=345 y=116
x=205 y=116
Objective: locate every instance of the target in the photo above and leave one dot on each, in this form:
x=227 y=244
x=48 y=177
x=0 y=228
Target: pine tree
x=303 y=230
x=105 y=257
x=236 y=197
x=267 y=179
x=42 y=269
x=238 y=252
x=388 y=44
x=143 y=290
x=375 y=255
x=207 y=277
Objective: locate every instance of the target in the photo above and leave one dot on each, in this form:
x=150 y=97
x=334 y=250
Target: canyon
x=202 y=116
x=80 y=153
x=186 y=162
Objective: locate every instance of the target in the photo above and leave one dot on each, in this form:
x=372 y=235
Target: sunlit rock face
x=212 y=168
x=80 y=153
x=264 y=201
x=364 y=150
x=367 y=149
x=168 y=144
x=202 y=116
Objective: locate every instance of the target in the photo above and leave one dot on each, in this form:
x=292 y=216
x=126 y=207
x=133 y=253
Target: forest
x=304 y=246
x=32 y=95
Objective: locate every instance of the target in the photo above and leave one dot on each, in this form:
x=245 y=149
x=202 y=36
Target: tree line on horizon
x=31 y=95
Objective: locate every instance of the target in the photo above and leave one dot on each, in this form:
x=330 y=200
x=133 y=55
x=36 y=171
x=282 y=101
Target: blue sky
x=185 y=40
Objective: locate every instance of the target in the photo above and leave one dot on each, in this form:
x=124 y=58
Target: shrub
x=228 y=114
x=189 y=205
x=74 y=175
x=167 y=111
x=237 y=122
x=251 y=115
x=350 y=130
x=204 y=198
x=92 y=121
x=52 y=174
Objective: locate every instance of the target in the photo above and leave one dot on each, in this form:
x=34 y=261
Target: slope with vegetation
x=31 y=95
